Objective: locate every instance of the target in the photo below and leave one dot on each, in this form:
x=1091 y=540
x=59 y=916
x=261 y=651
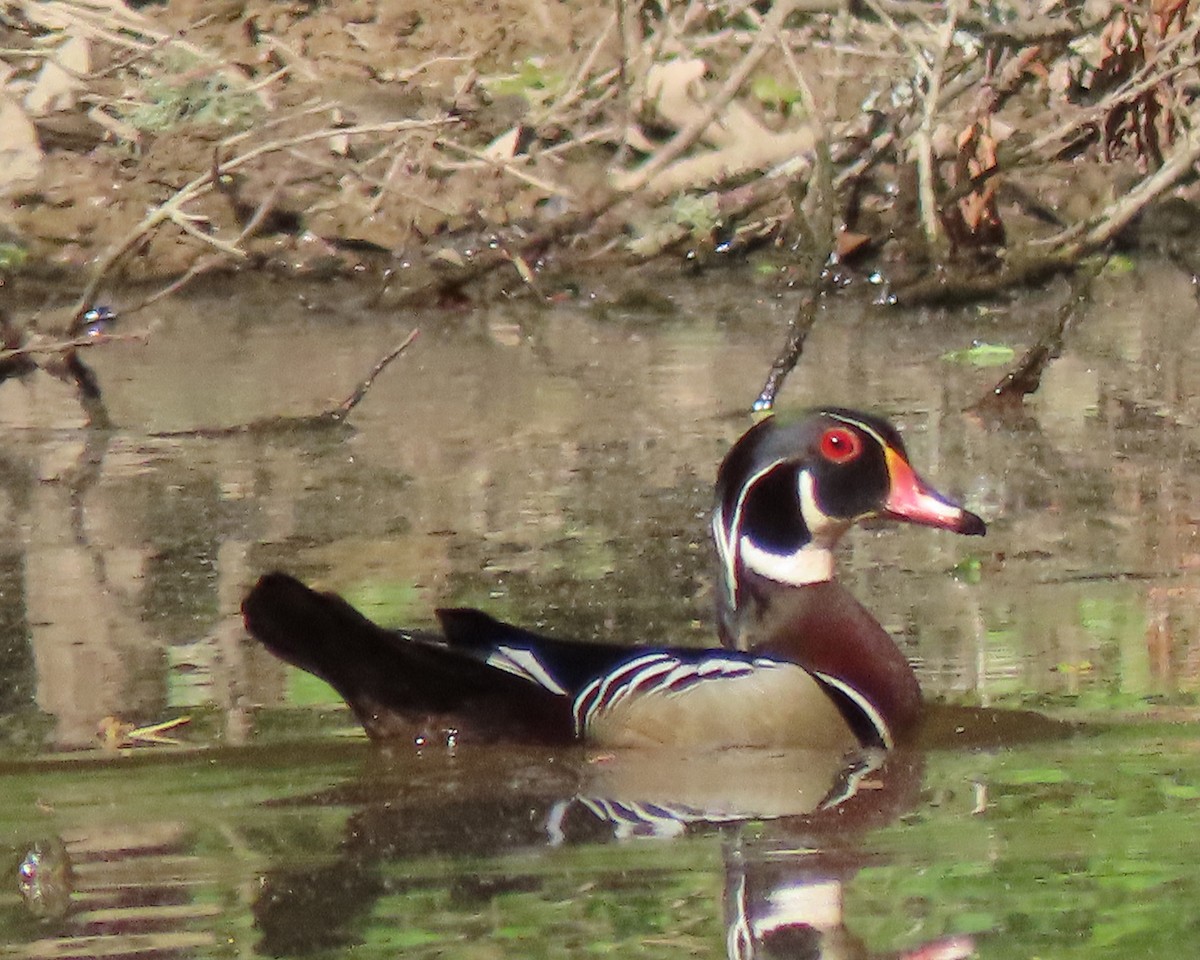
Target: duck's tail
x=400 y=684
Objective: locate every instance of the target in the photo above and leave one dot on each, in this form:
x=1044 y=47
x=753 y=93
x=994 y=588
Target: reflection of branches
x=42 y=347
x=80 y=480
x=342 y=410
x=798 y=331
x=1026 y=376
x=63 y=361
x=331 y=417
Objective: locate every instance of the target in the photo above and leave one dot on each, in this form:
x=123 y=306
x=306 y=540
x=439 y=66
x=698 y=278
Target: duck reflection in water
x=781 y=881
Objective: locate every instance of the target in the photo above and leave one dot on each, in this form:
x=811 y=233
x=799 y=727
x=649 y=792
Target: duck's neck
x=811 y=563
x=823 y=628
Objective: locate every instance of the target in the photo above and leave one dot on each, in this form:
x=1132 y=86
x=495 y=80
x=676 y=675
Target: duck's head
x=788 y=490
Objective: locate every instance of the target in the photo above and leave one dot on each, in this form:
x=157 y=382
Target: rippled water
x=554 y=467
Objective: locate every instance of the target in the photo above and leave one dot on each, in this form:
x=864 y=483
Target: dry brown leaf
x=1169 y=15
x=974 y=224
x=58 y=82
x=20 y=152
x=849 y=242
x=504 y=147
x=677 y=91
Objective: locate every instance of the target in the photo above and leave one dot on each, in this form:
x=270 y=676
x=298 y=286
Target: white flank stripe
x=600 y=690
x=654 y=675
x=814 y=903
x=863 y=704
x=625 y=680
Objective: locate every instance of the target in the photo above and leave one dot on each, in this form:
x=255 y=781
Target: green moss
x=188 y=92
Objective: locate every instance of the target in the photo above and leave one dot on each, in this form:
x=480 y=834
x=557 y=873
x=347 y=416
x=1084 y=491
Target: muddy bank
x=931 y=148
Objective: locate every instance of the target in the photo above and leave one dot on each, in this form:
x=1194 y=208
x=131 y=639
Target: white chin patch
x=809 y=564
x=819 y=523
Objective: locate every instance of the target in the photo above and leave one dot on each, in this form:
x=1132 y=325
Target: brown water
x=554 y=467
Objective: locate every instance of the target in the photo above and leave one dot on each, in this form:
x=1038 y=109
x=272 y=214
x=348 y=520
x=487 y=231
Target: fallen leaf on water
x=982 y=355
x=116 y=734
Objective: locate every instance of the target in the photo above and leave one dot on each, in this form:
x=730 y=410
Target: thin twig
x=1026 y=376
x=525 y=272
x=200 y=266
x=1092 y=234
x=798 y=330
x=329 y=418
x=261 y=212
x=200 y=186
x=404 y=76
x=40 y=348
x=188 y=223
x=916 y=54
x=504 y=165
x=825 y=197
x=576 y=88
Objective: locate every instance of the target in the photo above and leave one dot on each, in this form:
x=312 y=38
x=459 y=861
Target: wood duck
x=803 y=664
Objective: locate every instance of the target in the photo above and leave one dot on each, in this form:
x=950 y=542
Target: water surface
x=554 y=467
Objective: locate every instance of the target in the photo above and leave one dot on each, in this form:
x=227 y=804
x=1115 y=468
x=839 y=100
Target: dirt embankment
x=114 y=112
x=433 y=146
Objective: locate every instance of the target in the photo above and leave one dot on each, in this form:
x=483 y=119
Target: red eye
x=839 y=445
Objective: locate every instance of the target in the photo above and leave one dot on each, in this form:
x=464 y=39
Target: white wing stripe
x=625 y=678
x=522 y=662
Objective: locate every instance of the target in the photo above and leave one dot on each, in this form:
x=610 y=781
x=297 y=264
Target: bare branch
x=924 y=135
x=38 y=347
x=203 y=184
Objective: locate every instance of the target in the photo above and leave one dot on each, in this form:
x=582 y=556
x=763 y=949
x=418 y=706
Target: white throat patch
x=813 y=562
x=810 y=564
x=824 y=529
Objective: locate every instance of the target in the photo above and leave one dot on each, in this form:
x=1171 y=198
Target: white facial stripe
x=721 y=532
x=810 y=564
x=858 y=425
x=790 y=568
